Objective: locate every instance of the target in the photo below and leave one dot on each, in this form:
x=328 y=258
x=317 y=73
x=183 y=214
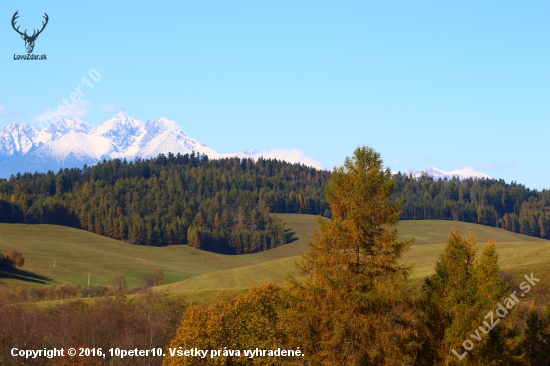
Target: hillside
x=78 y=252
x=519 y=254
x=222 y=206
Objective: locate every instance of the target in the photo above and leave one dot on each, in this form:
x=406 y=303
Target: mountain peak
x=16 y=139
x=122 y=130
x=61 y=127
x=464 y=173
x=16 y=125
x=250 y=152
x=71 y=124
x=163 y=124
x=71 y=142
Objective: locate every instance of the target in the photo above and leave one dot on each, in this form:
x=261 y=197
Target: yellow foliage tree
x=349 y=308
x=243 y=322
x=14 y=258
x=158 y=276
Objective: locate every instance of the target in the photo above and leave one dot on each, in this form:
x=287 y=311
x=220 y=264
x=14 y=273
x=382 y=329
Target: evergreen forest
x=227 y=205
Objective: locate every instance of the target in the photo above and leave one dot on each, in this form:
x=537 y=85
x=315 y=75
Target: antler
x=15 y=16
x=34 y=35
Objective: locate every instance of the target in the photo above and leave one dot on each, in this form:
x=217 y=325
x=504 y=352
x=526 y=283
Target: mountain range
x=71 y=142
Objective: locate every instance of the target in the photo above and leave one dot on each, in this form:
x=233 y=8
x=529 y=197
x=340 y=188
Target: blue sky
x=426 y=83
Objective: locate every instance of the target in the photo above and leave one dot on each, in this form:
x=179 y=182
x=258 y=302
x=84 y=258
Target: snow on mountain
x=73 y=143
x=463 y=173
x=76 y=146
x=250 y=152
x=17 y=139
x=124 y=132
x=62 y=127
x=164 y=136
x=290 y=156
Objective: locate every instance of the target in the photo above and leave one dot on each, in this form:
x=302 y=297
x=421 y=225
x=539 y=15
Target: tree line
x=220 y=205
x=227 y=205
x=489 y=202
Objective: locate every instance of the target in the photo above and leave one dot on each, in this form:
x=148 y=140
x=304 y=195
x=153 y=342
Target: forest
x=227 y=205
x=217 y=205
x=350 y=304
x=490 y=202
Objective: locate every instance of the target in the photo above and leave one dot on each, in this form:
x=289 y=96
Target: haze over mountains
x=71 y=142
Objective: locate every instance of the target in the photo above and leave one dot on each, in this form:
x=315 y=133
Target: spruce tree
x=492 y=291
x=457 y=297
x=536 y=350
x=349 y=309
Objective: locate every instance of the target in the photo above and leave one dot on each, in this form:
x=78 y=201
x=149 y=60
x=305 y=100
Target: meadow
x=199 y=274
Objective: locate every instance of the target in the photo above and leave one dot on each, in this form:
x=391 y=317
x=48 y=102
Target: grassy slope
x=77 y=252
x=194 y=272
x=519 y=254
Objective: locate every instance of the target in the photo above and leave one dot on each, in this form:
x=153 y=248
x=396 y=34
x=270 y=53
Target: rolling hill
x=519 y=254
x=77 y=253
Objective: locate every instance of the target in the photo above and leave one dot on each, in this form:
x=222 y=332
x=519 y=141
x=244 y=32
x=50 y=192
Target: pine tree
x=458 y=296
x=536 y=350
x=492 y=291
x=349 y=309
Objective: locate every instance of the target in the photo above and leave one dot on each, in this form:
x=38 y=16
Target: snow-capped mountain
x=17 y=139
x=124 y=132
x=72 y=143
x=164 y=136
x=438 y=173
x=62 y=127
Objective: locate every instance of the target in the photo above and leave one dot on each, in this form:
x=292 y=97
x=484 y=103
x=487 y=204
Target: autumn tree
x=237 y=323
x=153 y=279
x=14 y=258
x=457 y=297
x=158 y=276
x=349 y=309
x=119 y=282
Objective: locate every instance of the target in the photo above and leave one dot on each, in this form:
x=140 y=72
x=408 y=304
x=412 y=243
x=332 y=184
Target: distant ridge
x=438 y=173
x=71 y=142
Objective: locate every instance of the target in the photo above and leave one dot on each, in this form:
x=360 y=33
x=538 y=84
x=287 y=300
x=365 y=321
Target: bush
x=12 y=259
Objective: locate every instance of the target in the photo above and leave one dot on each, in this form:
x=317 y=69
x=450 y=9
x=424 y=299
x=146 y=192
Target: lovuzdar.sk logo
x=29 y=40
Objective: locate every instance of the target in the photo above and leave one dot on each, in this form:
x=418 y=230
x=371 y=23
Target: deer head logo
x=29 y=40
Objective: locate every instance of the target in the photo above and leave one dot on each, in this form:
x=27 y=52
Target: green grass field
x=77 y=253
x=197 y=273
x=519 y=255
